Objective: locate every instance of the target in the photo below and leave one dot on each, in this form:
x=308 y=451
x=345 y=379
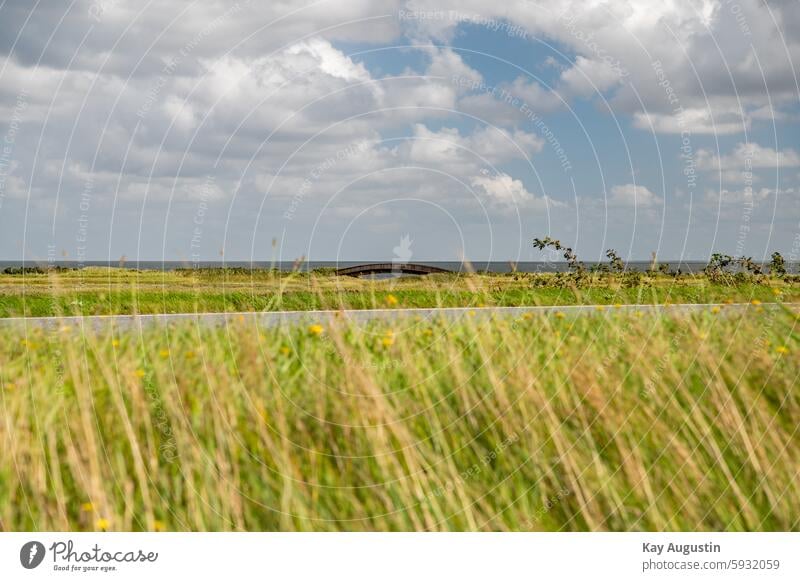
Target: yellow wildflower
x=159 y=526
x=164 y=353
x=776 y=291
x=140 y=373
x=285 y=350
x=781 y=349
x=316 y=330
x=102 y=524
x=728 y=301
x=115 y=343
x=600 y=308
x=715 y=310
x=391 y=300
x=190 y=355
x=559 y=315
x=755 y=302
x=617 y=305
x=87 y=507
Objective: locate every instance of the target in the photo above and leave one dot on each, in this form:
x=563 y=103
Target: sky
x=410 y=130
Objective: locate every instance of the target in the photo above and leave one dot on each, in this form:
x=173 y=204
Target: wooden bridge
x=389 y=268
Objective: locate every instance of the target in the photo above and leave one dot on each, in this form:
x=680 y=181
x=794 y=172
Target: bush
x=777 y=266
x=23 y=270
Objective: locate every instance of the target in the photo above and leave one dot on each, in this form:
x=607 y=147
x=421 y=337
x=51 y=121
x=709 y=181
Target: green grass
x=610 y=421
x=98 y=291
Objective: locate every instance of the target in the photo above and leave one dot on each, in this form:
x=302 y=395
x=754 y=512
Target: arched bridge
x=389 y=268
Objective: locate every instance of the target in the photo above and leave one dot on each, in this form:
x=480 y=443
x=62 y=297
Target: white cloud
x=587 y=77
x=713 y=56
x=510 y=104
x=748 y=155
x=328 y=60
x=537 y=97
x=137 y=41
x=503 y=190
x=737 y=197
x=184 y=190
x=241 y=75
x=448 y=147
x=631 y=195
x=694 y=121
x=448 y=64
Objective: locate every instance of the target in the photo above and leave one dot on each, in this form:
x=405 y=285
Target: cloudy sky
x=191 y=130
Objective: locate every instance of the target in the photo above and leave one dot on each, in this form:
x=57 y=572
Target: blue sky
x=201 y=130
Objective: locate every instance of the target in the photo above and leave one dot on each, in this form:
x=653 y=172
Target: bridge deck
x=389 y=267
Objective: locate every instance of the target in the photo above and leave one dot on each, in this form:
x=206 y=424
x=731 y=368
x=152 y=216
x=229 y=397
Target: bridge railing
x=390 y=267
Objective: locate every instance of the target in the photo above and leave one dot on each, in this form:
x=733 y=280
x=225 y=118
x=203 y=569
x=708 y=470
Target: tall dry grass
x=605 y=422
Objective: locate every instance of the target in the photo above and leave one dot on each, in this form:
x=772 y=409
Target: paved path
x=272 y=319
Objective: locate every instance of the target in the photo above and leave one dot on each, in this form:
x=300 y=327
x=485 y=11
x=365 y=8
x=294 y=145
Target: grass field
x=609 y=421
x=103 y=291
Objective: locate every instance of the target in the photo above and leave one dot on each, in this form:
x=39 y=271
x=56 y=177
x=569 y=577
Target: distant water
x=494 y=266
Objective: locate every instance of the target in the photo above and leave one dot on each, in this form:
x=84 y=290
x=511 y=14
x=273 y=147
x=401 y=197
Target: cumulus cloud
x=747 y=156
x=632 y=195
x=448 y=64
x=704 y=56
x=489 y=144
x=694 y=121
x=587 y=77
x=140 y=104
x=505 y=191
x=126 y=39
